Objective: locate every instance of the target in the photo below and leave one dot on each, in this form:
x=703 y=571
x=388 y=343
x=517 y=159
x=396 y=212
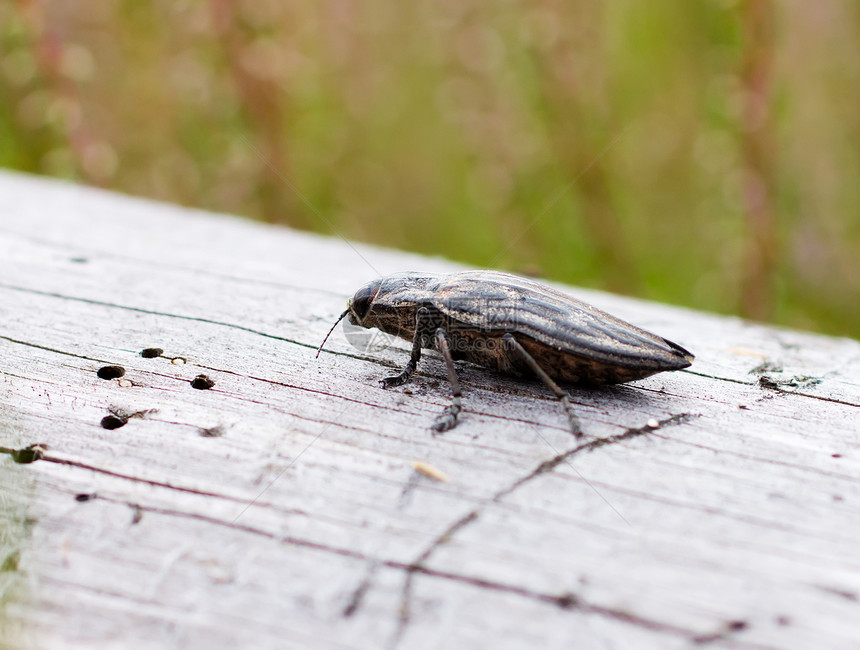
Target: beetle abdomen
x=573 y=369
x=577 y=343
x=492 y=353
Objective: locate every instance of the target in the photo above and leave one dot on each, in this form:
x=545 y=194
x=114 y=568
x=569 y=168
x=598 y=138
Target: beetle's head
x=359 y=308
x=384 y=302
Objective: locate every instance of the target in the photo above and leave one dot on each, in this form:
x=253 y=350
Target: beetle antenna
x=339 y=318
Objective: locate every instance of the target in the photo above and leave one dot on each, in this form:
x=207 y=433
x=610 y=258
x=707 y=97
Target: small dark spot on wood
x=837 y=497
x=202 y=382
x=110 y=372
x=737 y=626
x=78 y=260
x=406 y=493
x=836 y=455
x=351 y=607
x=85 y=496
x=767 y=382
x=212 y=432
x=783 y=621
x=567 y=601
x=358 y=595
x=136 y=514
x=151 y=353
x=114 y=421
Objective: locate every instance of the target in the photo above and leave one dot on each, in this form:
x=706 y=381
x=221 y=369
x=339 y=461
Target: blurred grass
x=702 y=153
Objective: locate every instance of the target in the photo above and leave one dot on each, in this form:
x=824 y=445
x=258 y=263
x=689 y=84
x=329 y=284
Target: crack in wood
x=842 y=593
x=198 y=319
x=47 y=349
x=179 y=488
x=572 y=602
x=419 y=564
x=357 y=596
x=777 y=388
x=151 y=312
x=565 y=601
x=728 y=629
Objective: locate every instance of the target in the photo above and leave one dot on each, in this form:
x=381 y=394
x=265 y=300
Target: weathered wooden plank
x=282 y=508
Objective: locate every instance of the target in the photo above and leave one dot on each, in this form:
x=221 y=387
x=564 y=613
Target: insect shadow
x=606 y=398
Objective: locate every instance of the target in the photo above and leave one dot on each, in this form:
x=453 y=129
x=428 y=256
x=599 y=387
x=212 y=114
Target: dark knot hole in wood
x=202 y=382
x=113 y=421
x=110 y=372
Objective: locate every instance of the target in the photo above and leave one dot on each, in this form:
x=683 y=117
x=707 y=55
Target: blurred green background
x=701 y=153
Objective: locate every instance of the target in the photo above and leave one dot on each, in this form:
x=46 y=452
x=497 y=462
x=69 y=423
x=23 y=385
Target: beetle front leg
x=547 y=380
x=448 y=418
x=422 y=332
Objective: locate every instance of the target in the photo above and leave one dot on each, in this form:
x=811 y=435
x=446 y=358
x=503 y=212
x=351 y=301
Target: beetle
x=509 y=324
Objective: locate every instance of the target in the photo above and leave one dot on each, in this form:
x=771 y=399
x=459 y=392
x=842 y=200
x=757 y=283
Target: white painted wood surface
x=282 y=508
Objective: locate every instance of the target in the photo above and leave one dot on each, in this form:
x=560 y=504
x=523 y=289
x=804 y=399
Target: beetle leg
x=546 y=379
x=420 y=334
x=448 y=418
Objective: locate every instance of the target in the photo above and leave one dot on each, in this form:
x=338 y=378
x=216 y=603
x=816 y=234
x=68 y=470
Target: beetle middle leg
x=448 y=418
x=548 y=381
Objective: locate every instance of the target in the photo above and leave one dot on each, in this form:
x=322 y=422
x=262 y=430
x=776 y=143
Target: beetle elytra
x=512 y=325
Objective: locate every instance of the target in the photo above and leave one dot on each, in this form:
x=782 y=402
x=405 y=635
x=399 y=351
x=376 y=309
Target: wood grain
x=282 y=507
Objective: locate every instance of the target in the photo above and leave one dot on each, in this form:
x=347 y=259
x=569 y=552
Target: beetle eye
x=360 y=303
x=359 y=306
